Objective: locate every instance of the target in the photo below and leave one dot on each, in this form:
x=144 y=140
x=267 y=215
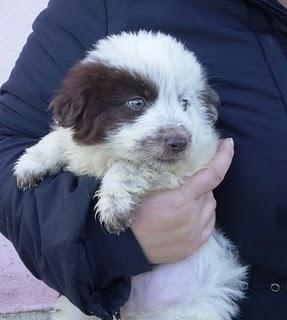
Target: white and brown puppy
x=138 y=112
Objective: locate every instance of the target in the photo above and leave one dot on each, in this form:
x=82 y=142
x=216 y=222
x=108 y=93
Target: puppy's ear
x=69 y=104
x=211 y=101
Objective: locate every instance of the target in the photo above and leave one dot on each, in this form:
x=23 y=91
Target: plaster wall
x=16 y=18
x=19 y=290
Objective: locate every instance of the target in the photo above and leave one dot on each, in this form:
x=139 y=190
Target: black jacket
x=243 y=46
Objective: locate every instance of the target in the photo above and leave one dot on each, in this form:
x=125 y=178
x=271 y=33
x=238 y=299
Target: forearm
x=54 y=232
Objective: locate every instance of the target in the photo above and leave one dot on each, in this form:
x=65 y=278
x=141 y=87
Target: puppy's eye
x=185 y=103
x=136 y=104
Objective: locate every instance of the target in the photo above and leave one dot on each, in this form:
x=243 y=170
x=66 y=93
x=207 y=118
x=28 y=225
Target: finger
x=208 y=230
x=210 y=177
x=207 y=213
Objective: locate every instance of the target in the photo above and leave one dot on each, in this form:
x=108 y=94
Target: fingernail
x=231 y=141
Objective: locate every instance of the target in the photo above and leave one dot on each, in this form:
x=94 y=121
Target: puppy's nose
x=176 y=143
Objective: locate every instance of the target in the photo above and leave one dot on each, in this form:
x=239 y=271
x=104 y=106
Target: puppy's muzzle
x=167 y=144
x=176 y=143
x=174 y=139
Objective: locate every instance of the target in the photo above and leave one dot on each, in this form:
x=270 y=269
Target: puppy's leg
x=46 y=157
x=119 y=194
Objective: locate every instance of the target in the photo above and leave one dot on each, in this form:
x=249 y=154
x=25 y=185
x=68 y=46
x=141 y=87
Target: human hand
x=170 y=225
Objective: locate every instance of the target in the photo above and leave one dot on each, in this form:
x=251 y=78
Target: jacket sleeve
x=52 y=226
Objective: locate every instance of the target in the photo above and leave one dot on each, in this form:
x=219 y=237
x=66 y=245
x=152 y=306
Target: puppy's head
x=142 y=96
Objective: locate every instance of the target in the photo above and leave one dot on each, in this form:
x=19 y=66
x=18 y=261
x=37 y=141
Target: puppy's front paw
x=27 y=173
x=27 y=180
x=114 y=213
x=112 y=222
x=31 y=168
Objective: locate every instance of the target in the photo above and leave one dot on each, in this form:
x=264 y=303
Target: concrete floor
x=20 y=292
x=27 y=316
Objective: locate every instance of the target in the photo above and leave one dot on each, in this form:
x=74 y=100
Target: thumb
x=207 y=179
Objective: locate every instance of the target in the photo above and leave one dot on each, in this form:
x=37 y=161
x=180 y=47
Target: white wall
x=19 y=290
x=16 y=17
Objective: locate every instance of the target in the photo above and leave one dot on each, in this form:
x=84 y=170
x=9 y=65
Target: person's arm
x=52 y=226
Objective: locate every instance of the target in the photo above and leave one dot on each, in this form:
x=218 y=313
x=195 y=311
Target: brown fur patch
x=211 y=101
x=93 y=100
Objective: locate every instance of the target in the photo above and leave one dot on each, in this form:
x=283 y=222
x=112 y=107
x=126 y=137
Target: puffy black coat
x=243 y=45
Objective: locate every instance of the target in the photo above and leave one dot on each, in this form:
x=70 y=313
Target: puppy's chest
x=166 y=180
x=161 y=179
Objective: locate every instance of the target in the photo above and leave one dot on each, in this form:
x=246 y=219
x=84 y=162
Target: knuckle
x=213 y=204
x=209 y=229
x=205 y=236
x=207 y=232
x=209 y=217
x=212 y=221
x=210 y=201
x=215 y=176
x=212 y=225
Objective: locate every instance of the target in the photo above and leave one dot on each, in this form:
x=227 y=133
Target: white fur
x=153 y=55
x=46 y=157
x=207 y=285
x=203 y=286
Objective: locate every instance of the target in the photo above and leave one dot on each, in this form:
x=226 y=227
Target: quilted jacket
x=243 y=45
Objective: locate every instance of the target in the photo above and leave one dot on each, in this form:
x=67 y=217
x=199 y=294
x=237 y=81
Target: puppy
x=138 y=113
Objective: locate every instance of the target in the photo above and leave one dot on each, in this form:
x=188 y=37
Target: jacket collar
x=275 y=10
